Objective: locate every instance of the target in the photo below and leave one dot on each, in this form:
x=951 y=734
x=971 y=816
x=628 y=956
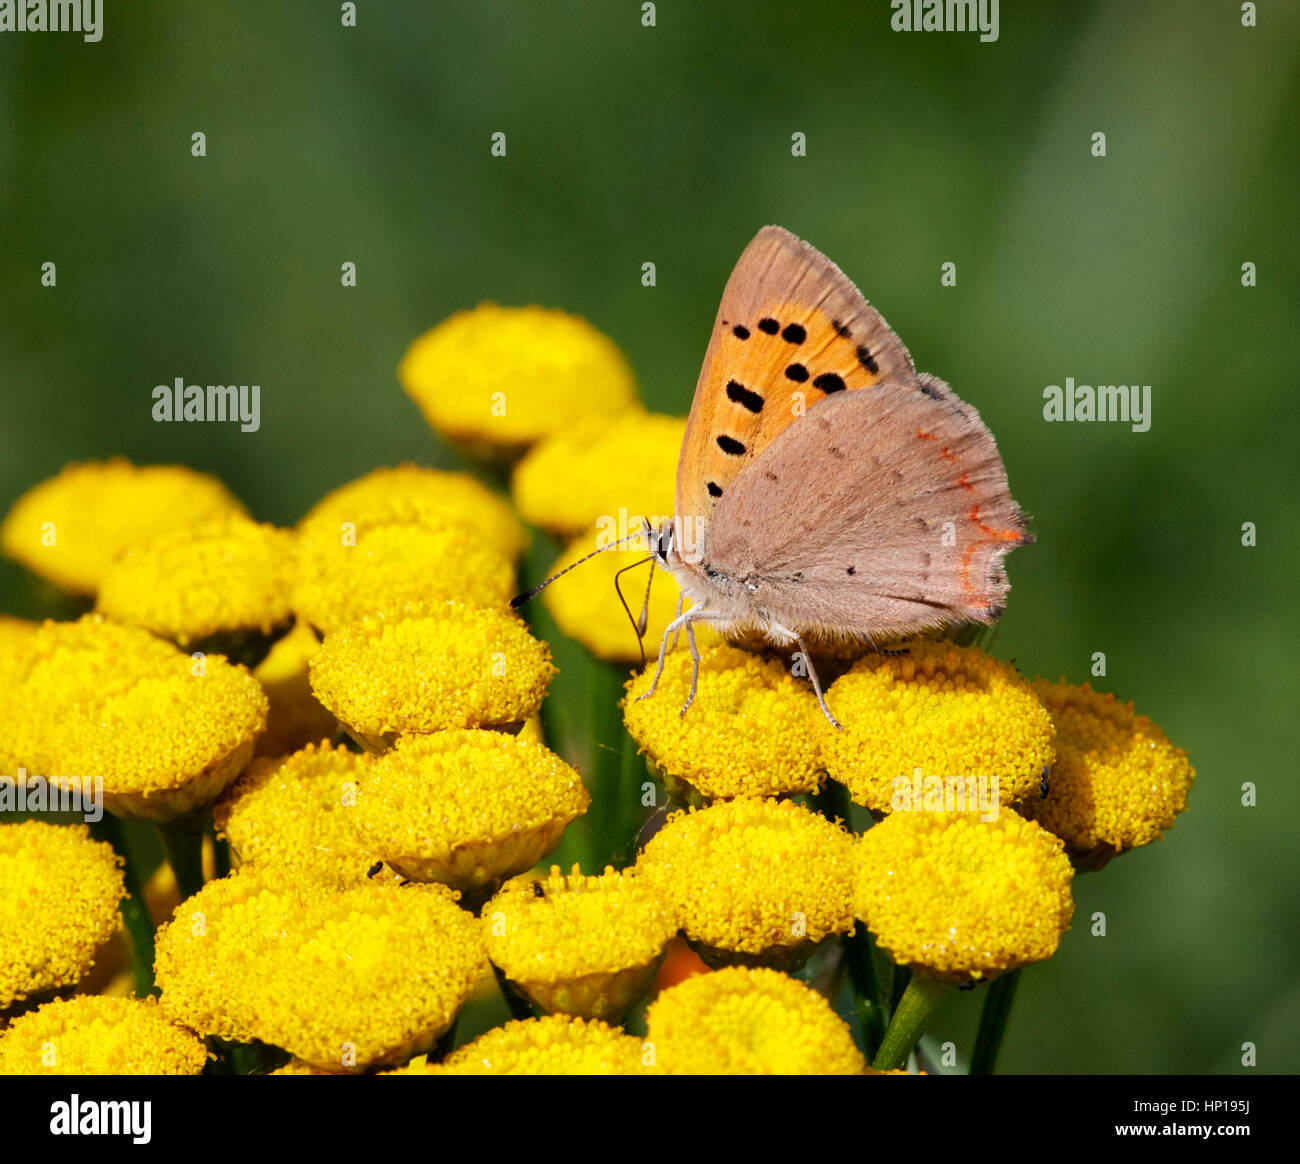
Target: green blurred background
x=672 y=145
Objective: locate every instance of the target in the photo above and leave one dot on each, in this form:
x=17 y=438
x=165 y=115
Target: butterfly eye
x=664 y=543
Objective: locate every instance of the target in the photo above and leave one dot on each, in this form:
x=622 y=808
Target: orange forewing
x=791 y=330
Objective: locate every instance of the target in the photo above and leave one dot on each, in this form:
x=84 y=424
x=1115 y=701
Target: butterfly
x=826 y=489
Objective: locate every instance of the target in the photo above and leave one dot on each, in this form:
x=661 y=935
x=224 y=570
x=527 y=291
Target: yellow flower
x=294 y=717
x=99 y=1036
x=961 y=898
x=587 y=946
x=554 y=1045
x=208 y=956
x=467 y=808
x=1117 y=783
x=291 y=814
x=59 y=893
x=754 y=729
x=743 y=1021
x=456 y=496
x=344 y=979
x=432 y=667
x=753 y=881
x=967 y=721
x=586 y=606
x=14 y=631
x=166 y=733
x=578 y=476
x=298 y=1067
x=381 y=561
x=497 y=379
x=226 y=576
x=69 y=528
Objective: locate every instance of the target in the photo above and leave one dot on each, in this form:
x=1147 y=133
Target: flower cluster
x=365 y=721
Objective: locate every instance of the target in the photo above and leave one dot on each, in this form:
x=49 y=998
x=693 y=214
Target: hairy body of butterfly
x=826 y=489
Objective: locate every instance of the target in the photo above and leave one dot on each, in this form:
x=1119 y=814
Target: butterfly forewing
x=792 y=331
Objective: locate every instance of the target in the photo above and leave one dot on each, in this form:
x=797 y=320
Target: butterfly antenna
x=519 y=599
x=644 y=620
x=637 y=626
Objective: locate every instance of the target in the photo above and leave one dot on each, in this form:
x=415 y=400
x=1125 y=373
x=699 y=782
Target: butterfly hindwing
x=792 y=331
x=885 y=511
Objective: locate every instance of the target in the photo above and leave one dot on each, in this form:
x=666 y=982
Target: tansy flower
x=69 y=528
x=592 y=471
x=757 y=882
x=383 y=560
x=497 y=379
x=456 y=496
x=960 y=898
x=14 y=631
x=292 y=814
x=209 y=952
x=741 y=1021
x=467 y=808
x=1117 y=782
x=298 y=1067
x=344 y=979
x=947 y=719
x=99 y=1036
x=586 y=605
x=226 y=579
x=554 y=1045
x=578 y=945
x=59 y=895
x=426 y=668
x=294 y=717
x=166 y=732
x=753 y=730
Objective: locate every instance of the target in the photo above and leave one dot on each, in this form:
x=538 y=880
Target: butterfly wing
x=792 y=331
x=882 y=512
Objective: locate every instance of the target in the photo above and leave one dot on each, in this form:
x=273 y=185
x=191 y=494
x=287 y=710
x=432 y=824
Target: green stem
x=135 y=913
x=899 y=977
x=993 y=1022
x=184 y=848
x=920 y=998
x=610 y=832
x=866 y=984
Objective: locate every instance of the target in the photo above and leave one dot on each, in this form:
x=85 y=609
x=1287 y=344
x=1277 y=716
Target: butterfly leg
x=680 y=621
x=681 y=602
x=695 y=668
x=817 y=686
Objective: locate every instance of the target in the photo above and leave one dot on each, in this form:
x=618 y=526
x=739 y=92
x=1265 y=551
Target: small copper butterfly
x=826 y=489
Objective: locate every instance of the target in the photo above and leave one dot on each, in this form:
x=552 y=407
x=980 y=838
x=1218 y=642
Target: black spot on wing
x=770 y=326
x=740 y=331
x=840 y=329
x=731 y=446
x=867 y=360
x=715 y=490
x=794 y=333
x=796 y=372
x=829 y=382
x=739 y=394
